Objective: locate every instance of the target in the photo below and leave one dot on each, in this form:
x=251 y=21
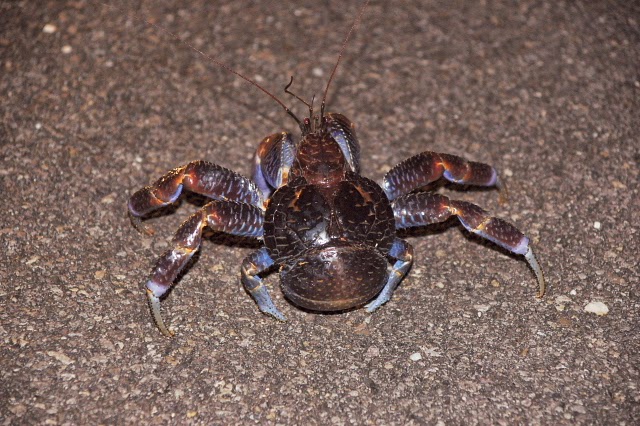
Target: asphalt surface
x=96 y=105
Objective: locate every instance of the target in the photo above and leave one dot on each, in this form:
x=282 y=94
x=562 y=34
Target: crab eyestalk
x=531 y=259
x=154 y=305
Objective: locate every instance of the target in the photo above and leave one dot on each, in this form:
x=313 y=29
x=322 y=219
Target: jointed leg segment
x=424 y=168
x=225 y=216
x=254 y=264
x=420 y=209
x=272 y=161
x=403 y=252
x=200 y=177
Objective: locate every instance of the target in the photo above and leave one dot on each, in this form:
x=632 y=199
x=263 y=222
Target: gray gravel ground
x=98 y=105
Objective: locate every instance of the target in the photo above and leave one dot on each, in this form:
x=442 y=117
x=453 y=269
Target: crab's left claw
x=531 y=259
x=154 y=304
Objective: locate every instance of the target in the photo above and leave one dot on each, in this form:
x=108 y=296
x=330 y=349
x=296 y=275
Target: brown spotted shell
x=331 y=241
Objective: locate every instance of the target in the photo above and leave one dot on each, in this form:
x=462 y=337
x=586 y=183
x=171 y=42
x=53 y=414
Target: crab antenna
x=289 y=92
x=344 y=45
x=313 y=98
x=310 y=106
x=215 y=61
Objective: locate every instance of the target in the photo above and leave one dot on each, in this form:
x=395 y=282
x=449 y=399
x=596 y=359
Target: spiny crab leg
x=420 y=209
x=533 y=263
x=154 y=304
x=225 y=216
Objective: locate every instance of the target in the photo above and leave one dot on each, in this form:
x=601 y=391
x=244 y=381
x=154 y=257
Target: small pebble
x=107 y=199
x=66 y=49
x=597 y=225
x=317 y=72
x=373 y=352
x=49 y=29
x=416 y=356
x=597 y=308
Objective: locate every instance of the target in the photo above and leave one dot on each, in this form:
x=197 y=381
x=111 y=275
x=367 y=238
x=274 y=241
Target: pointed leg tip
x=371 y=307
x=168 y=333
x=154 y=304
x=533 y=263
x=543 y=288
x=275 y=313
x=140 y=226
x=503 y=199
x=503 y=192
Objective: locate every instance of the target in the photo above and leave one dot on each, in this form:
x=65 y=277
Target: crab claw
x=154 y=304
x=531 y=259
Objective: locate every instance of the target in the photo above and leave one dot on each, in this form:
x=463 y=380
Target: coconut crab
x=330 y=231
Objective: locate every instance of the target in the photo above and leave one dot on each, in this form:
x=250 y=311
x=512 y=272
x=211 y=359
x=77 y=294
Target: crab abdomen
x=331 y=242
x=335 y=277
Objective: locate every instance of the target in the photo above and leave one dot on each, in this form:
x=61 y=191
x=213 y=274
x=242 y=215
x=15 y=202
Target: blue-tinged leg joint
x=254 y=264
x=402 y=251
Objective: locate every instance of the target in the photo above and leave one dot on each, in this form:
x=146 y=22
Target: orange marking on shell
x=366 y=195
x=293 y=204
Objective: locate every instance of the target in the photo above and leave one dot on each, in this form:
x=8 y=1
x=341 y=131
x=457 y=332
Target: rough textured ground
x=101 y=105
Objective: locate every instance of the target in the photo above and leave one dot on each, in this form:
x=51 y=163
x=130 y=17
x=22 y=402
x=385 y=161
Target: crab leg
x=224 y=216
x=424 y=168
x=344 y=132
x=402 y=251
x=253 y=265
x=420 y=209
x=200 y=177
x=272 y=161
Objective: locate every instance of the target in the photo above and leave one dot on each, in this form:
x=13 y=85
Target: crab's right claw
x=531 y=259
x=154 y=304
